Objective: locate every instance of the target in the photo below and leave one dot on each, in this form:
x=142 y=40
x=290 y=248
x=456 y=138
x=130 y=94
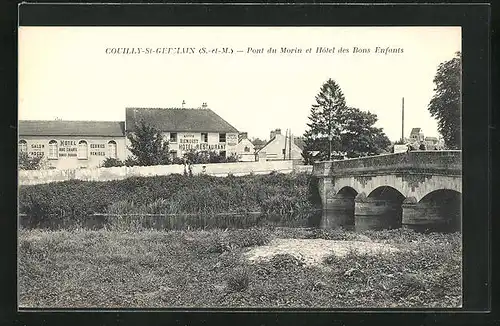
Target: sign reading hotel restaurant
x=68 y=148
x=232 y=139
x=187 y=142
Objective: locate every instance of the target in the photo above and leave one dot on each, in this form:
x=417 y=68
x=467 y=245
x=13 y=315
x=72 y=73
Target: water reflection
x=178 y=222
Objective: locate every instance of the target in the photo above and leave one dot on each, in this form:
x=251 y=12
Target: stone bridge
x=418 y=189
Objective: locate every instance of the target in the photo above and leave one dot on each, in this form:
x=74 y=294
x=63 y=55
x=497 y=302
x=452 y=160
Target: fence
x=118 y=173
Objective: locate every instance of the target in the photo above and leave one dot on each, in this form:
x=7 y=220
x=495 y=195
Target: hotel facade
x=87 y=144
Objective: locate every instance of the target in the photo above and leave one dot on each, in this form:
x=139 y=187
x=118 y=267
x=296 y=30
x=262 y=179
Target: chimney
x=278 y=131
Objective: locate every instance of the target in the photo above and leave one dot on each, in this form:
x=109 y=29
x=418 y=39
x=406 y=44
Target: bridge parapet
x=447 y=162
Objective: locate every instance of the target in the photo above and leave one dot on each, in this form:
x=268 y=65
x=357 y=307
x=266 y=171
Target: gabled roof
x=297 y=142
x=267 y=143
x=71 y=128
x=300 y=142
x=178 y=120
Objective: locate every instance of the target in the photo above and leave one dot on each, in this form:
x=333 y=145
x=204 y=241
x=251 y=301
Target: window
x=23 y=146
x=173 y=137
x=204 y=137
x=247 y=149
x=222 y=138
x=112 y=149
x=173 y=154
x=82 y=150
x=52 y=150
x=222 y=153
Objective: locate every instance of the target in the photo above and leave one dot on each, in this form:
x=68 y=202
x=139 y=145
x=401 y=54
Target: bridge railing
x=449 y=161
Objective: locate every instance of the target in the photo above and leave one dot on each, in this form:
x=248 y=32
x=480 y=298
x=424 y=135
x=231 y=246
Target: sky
x=70 y=73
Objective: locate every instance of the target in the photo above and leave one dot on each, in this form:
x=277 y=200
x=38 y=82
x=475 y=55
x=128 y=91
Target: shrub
x=333 y=234
x=286 y=261
x=216 y=243
x=250 y=237
x=177 y=160
x=112 y=162
x=238 y=280
x=130 y=161
x=26 y=162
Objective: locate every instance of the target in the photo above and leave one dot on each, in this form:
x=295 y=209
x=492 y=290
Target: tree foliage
x=195 y=157
x=360 y=137
x=445 y=105
x=350 y=130
x=110 y=162
x=26 y=162
x=325 y=120
x=147 y=146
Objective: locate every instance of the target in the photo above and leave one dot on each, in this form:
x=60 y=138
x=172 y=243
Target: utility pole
x=284 y=149
x=290 y=146
x=403 y=120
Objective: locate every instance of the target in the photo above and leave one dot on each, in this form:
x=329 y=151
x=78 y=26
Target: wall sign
x=232 y=139
x=98 y=149
x=68 y=148
x=37 y=150
x=201 y=147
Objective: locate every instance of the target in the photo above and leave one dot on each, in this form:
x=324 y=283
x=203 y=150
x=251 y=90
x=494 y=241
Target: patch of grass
x=238 y=280
x=83 y=268
x=333 y=234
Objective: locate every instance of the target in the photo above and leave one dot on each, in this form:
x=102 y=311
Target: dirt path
x=313 y=251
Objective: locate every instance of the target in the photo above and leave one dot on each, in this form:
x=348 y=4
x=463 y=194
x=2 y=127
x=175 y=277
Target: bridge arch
x=347 y=191
x=340 y=209
x=381 y=209
x=443 y=205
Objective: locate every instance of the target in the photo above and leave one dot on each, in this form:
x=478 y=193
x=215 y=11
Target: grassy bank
x=75 y=201
x=84 y=268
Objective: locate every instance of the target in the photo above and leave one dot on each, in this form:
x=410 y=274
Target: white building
x=279 y=147
x=199 y=129
x=245 y=149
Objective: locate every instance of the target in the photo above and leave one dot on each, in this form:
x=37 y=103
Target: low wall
x=448 y=161
x=118 y=173
x=303 y=168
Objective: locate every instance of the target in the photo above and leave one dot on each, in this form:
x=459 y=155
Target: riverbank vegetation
x=84 y=268
x=292 y=195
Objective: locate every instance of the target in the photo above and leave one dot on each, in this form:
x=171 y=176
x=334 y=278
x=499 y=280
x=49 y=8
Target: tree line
x=336 y=130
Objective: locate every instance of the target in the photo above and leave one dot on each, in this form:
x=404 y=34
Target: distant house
x=278 y=148
x=245 y=149
x=416 y=135
x=299 y=141
x=417 y=138
x=258 y=144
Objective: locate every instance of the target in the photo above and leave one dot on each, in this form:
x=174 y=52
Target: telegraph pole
x=403 y=120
